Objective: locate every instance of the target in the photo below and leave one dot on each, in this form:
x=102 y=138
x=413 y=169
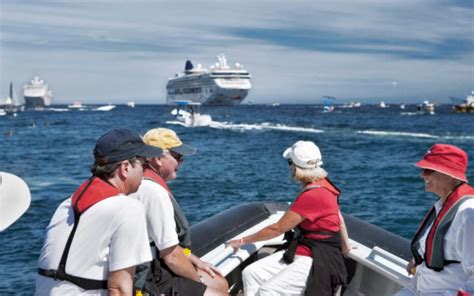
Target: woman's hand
x=411 y=267
x=346 y=248
x=235 y=244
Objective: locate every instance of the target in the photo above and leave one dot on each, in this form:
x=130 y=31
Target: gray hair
x=308 y=175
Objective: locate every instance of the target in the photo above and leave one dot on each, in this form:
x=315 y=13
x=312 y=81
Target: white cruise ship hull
x=220 y=85
x=35 y=102
x=207 y=91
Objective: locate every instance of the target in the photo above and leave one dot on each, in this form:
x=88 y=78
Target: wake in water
x=404 y=134
x=254 y=126
x=415 y=135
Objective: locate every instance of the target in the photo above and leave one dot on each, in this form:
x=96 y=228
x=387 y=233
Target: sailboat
x=11 y=106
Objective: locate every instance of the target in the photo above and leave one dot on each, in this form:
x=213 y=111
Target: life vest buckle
x=54 y=274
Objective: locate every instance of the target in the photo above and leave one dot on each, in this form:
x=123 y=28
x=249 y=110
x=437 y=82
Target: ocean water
x=369 y=153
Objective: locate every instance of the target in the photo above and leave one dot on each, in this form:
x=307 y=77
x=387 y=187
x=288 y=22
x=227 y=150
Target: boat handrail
x=383 y=262
x=226 y=260
x=376 y=251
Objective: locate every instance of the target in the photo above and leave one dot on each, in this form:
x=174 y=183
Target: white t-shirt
x=159 y=214
x=111 y=235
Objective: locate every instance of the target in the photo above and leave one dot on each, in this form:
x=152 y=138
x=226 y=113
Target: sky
x=297 y=52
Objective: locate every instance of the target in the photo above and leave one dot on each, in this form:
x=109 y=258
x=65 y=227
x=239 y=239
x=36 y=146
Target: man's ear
x=124 y=169
x=157 y=161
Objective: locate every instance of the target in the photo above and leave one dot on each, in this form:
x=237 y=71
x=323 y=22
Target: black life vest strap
x=60 y=273
x=296 y=236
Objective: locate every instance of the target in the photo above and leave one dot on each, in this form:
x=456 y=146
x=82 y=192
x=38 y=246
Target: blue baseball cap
x=122 y=144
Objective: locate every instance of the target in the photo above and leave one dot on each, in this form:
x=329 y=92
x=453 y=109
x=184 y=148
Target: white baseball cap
x=304 y=154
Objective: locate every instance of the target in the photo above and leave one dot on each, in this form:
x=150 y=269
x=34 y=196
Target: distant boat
x=131 y=104
x=3 y=112
x=276 y=104
x=328 y=104
x=10 y=105
x=105 y=108
x=382 y=105
x=426 y=108
x=220 y=85
x=37 y=94
x=352 y=104
x=189 y=114
x=402 y=106
x=76 y=105
x=467 y=106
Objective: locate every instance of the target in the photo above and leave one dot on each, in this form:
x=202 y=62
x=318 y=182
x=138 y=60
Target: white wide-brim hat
x=304 y=154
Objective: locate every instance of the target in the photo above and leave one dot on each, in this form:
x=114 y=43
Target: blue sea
x=369 y=153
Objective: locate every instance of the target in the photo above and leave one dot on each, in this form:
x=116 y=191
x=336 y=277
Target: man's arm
x=120 y=282
x=178 y=262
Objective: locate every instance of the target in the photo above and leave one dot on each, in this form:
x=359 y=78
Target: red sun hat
x=446 y=159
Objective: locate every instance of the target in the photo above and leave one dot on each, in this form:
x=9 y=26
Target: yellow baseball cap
x=167 y=139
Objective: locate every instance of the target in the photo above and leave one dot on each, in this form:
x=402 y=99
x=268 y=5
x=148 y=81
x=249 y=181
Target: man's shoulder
x=120 y=204
x=150 y=187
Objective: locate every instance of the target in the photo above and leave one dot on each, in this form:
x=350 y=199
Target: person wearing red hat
x=443 y=256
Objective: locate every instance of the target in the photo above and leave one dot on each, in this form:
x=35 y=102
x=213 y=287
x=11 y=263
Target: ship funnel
x=189 y=66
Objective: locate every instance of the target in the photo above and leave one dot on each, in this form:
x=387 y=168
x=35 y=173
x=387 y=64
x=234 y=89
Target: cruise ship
x=218 y=85
x=37 y=95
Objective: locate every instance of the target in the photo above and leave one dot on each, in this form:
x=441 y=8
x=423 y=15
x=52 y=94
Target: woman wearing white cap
x=443 y=246
x=313 y=263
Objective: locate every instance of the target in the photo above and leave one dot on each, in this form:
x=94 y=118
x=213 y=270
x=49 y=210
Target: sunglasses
x=427 y=171
x=177 y=156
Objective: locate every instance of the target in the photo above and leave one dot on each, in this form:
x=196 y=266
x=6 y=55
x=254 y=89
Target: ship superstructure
x=37 y=94
x=218 y=85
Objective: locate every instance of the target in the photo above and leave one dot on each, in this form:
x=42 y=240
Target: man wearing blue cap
x=97 y=237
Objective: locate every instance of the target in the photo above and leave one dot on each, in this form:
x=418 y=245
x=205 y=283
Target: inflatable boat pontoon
x=375 y=267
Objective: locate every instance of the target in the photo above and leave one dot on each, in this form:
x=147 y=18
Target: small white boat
x=352 y=104
x=328 y=104
x=375 y=267
x=188 y=113
x=3 y=112
x=131 y=104
x=426 y=108
x=105 y=108
x=76 y=105
x=383 y=105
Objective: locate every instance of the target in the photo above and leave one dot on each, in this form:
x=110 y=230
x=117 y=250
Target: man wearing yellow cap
x=174 y=268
